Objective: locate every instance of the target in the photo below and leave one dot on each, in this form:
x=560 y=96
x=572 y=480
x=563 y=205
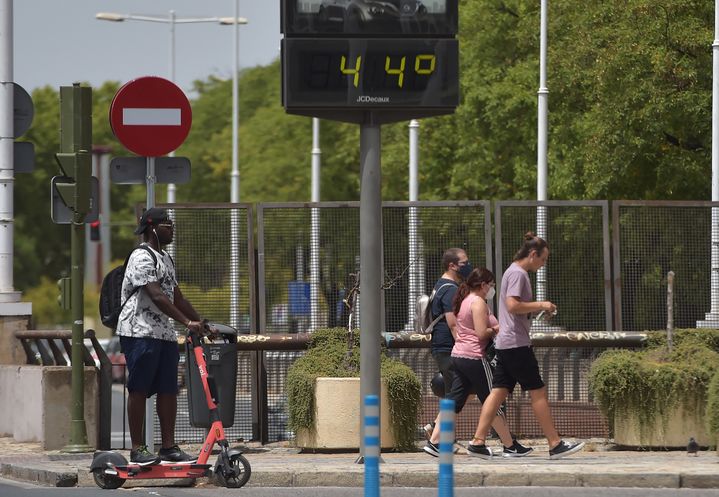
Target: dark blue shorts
x=517 y=366
x=151 y=365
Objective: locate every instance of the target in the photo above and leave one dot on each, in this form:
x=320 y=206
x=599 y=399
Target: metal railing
x=263 y=360
x=564 y=359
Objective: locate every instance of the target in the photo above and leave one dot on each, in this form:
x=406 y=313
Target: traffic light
x=95 y=231
x=74 y=186
x=64 y=300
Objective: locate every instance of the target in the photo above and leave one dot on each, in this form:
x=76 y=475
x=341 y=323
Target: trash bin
x=221 y=361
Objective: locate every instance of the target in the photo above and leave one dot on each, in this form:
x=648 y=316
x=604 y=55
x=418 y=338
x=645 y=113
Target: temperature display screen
x=373 y=73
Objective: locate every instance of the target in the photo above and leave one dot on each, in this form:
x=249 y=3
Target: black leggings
x=471 y=376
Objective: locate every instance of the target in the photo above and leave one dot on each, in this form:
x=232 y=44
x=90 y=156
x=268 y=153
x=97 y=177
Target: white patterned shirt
x=140 y=317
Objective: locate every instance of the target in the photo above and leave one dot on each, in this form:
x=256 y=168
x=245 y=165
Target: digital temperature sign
x=347 y=59
x=371 y=73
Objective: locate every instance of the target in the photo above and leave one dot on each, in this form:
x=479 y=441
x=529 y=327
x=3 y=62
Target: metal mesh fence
x=564 y=371
x=297 y=249
x=651 y=239
x=301 y=244
x=276 y=365
x=577 y=276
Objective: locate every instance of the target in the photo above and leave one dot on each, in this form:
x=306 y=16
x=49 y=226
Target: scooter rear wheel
x=238 y=475
x=105 y=481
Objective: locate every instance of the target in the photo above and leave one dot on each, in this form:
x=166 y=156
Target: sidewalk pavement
x=280 y=465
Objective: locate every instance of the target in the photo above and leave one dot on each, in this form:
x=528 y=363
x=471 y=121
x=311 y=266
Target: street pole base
x=78 y=438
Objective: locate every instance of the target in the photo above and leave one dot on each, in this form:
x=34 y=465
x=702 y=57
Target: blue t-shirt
x=442 y=340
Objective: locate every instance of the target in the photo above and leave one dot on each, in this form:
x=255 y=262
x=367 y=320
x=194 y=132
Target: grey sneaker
x=431 y=449
x=564 y=449
x=175 y=454
x=517 y=450
x=479 y=451
x=143 y=457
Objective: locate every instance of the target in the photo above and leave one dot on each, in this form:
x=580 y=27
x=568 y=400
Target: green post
x=75 y=145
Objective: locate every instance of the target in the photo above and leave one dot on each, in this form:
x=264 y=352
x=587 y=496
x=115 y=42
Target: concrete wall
x=11 y=352
x=37 y=404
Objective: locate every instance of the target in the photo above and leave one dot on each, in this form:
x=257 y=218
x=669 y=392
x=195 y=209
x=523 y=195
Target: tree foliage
x=630 y=117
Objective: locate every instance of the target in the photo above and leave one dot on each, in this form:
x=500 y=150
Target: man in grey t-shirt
x=516 y=362
x=513 y=328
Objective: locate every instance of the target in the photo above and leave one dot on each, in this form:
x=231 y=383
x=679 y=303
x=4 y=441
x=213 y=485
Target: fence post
x=670 y=309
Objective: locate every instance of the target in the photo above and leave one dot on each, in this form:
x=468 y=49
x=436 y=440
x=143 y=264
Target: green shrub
x=328 y=356
x=650 y=383
x=712 y=412
x=708 y=337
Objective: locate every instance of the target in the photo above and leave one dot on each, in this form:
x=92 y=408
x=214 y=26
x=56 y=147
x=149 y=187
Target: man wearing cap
x=148 y=339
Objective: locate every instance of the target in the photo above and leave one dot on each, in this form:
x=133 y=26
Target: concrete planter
x=38 y=404
x=337 y=416
x=680 y=425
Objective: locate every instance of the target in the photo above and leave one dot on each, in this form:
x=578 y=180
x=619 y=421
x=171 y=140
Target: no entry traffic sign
x=151 y=116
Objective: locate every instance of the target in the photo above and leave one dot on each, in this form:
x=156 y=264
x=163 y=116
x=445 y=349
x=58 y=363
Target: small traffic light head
x=95 y=231
x=151 y=217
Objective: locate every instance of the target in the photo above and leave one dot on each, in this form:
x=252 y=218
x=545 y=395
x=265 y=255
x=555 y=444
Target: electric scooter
x=232 y=470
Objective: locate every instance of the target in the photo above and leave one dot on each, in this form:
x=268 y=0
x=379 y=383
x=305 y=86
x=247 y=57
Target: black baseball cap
x=151 y=217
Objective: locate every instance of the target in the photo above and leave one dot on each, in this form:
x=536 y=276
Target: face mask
x=465 y=271
x=490 y=293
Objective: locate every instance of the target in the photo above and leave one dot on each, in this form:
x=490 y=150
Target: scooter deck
x=164 y=470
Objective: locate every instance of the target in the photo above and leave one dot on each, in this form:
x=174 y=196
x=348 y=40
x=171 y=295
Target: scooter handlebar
x=215 y=330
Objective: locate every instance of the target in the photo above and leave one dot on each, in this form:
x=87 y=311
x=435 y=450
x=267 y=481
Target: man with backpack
x=150 y=297
x=456 y=268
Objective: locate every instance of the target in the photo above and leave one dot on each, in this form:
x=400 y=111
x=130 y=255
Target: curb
x=54 y=474
x=45 y=473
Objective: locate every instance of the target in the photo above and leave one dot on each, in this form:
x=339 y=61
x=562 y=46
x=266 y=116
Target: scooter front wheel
x=105 y=481
x=237 y=474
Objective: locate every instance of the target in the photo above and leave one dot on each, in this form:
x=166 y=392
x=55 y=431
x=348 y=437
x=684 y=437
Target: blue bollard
x=371 y=446
x=445 y=484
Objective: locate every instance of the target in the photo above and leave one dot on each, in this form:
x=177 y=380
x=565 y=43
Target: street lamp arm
x=190 y=20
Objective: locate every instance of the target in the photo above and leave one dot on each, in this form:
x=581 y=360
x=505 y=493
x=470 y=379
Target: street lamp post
x=172 y=20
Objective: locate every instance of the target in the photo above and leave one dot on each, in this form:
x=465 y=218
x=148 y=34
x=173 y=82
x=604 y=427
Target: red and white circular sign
x=151 y=116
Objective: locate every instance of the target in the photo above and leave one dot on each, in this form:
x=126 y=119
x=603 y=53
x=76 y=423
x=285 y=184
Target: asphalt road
x=10 y=488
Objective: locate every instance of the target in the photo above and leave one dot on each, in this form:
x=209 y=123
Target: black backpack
x=111 y=303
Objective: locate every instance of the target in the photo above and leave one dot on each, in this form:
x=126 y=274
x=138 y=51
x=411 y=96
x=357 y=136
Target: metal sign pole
x=150 y=180
x=370 y=264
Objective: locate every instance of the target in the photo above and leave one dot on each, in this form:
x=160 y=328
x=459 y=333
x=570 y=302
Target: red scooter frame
x=232 y=470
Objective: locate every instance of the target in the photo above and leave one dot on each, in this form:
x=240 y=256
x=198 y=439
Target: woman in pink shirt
x=476 y=328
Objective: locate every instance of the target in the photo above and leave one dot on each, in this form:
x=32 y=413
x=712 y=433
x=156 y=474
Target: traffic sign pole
x=151 y=117
x=150 y=181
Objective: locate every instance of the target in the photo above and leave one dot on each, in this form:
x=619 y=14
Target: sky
x=58 y=42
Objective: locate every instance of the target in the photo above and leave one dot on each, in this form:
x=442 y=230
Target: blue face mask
x=465 y=271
